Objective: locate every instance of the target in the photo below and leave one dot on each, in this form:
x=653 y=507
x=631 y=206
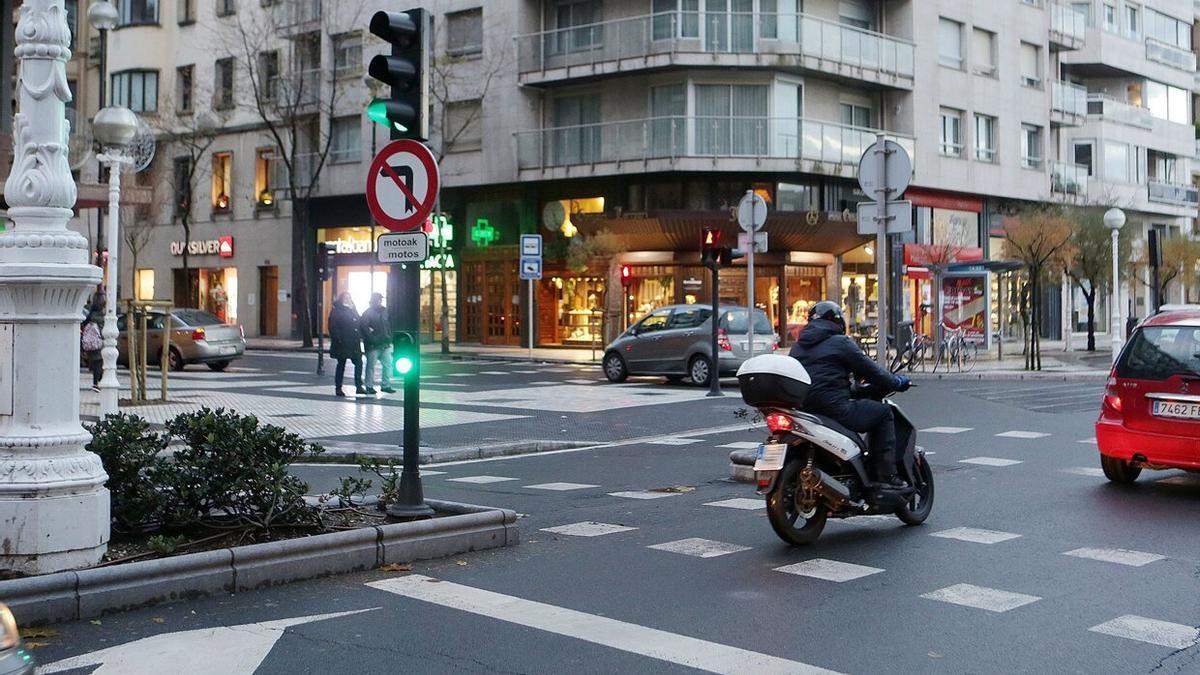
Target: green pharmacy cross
x=483 y=234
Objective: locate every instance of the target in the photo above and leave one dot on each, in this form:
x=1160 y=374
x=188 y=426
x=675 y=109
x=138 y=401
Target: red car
x=1150 y=418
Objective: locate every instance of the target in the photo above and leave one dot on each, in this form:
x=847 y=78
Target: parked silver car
x=676 y=341
x=197 y=336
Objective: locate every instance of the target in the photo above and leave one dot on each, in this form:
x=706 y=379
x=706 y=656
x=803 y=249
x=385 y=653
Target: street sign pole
x=750 y=285
x=714 y=377
x=751 y=215
x=881 y=253
x=529 y=328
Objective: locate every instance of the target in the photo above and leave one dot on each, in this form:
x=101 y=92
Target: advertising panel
x=964 y=305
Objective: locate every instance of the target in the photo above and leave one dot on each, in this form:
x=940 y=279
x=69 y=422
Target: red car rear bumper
x=1114 y=440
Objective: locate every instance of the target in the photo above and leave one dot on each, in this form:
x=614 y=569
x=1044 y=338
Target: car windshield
x=196 y=317
x=1158 y=352
x=734 y=321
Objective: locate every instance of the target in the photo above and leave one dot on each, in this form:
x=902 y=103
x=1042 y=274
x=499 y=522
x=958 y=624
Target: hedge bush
x=129 y=449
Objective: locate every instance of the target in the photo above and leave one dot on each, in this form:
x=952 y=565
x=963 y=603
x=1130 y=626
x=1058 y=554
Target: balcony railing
x=1119 y=111
x=1068 y=99
x=1170 y=193
x=1069 y=179
x=1157 y=50
x=708 y=137
x=299 y=90
x=714 y=33
x=1066 y=25
x=297 y=14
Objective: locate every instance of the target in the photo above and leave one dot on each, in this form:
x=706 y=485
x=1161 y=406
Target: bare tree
x=1037 y=237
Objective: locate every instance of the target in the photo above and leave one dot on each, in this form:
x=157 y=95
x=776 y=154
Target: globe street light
x=1114 y=219
x=102 y=16
x=114 y=127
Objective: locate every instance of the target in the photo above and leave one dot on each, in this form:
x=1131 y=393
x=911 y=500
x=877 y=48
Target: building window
x=950 y=43
x=223 y=84
x=1162 y=167
x=1083 y=9
x=183 y=89
x=135 y=12
x=856 y=115
x=136 y=90
x=1133 y=26
x=72 y=10
x=345 y=139
x=268 y=75
x=573 y=20
x=464 y=32
x=1168 y=29
x=186 y=12
x=1031 y=65
x=264 y=188
x=347 y=54
x=951 y=132
x=464 y=126
x=1167 y=102
x=143 y=284
x=681 y=19
x=577 y=138
x=985 y=138
x=226 y=7
x=1110 y=17
x=183 y=185
x=1031 y=146
x=1116 y=162
x=222 y=182
x=983 y=52
x=1081 y=154
x=731 y=119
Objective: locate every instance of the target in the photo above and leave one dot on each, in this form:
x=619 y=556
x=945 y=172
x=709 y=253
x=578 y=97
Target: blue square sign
x=531 y=245
x=531 y=267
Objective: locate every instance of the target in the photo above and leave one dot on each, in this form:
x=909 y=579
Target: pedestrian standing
x=345 y=342
x=91 y=342
x=377 y=338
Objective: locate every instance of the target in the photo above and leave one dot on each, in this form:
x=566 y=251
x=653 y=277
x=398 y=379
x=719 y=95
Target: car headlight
x=9 y=636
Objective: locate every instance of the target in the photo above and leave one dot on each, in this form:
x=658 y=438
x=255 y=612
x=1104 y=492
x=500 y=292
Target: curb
x=332 y=455
x=82 y=594
x=1035 y=375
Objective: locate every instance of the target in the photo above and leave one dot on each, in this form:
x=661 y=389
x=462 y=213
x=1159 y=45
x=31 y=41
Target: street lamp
x=114 y=127
x=102 y=16
x=1114 y=219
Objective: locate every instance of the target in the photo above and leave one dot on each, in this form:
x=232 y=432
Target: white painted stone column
x=54 y=508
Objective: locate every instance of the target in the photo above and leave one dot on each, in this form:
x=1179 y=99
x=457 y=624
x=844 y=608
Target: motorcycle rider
x=830 y=357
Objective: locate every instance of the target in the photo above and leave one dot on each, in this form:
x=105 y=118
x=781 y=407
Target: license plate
x=1181 y=409
x=230 y=349
x=770 y=456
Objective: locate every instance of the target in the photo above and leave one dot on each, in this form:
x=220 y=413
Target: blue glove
x=902 y=383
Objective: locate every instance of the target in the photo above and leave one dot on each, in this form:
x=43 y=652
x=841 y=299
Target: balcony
x=1171 y=193
x=696 y=143
x=721 y=39
x=1069 y=179
x=1068 y=103
x=297 y=16
x=1170 y=55
x=1067 y=27
x=1115 y=110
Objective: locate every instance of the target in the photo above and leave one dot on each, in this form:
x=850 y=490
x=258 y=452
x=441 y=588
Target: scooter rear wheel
x=793 y=526
x=920 y=504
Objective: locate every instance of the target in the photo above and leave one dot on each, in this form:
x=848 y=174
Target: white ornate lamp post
x=114 y=127
x=54 y=509
x=1114 y=219
x=102 y=16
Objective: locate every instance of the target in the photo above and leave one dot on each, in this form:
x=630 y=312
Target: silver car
x=197 y=336
x=676 y=341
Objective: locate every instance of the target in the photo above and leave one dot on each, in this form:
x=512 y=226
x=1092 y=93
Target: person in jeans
x=345 y=342
x=377 y=338
x=91 y=343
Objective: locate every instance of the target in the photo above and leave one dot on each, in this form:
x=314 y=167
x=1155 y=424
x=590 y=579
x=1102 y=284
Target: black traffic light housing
x=324 y=265
x=710 y=244
x=406 y=354
x=405 y=70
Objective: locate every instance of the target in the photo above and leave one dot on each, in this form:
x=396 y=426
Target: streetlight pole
x=1114 y=219
x=102 y=16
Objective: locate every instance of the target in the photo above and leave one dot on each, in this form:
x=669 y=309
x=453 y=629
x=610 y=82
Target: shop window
x=264 y=187
x=652 y=287
x=222 y=182
x=578 y=303
x=143 y=284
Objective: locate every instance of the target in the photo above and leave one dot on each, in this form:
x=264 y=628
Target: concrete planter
x=82 y=594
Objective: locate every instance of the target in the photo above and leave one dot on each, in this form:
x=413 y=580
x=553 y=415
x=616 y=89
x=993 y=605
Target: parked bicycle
x=956 y=353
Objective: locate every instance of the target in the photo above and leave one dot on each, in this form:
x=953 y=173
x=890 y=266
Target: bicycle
x=957 y=350
x=915 y=353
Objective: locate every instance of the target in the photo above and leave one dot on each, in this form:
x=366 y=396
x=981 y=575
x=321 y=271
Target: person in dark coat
x=830 y=357
x=377 y=338
x=345 y=342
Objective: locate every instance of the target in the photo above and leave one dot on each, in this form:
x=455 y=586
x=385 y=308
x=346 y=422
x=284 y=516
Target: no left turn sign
x=402 y=185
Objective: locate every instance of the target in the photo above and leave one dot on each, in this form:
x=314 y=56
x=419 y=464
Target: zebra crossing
x=1041 y=396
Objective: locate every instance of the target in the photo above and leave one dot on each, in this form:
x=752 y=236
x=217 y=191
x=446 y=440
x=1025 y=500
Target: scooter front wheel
x=920 y=504
x=793 y=525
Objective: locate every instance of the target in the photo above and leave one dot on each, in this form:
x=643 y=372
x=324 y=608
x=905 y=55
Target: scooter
x=812 y=468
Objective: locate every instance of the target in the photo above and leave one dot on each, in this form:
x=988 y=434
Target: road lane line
x=627 y=637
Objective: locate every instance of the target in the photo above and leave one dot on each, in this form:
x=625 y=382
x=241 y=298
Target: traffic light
x=710 y=244
x=406 y=353
x=324 y=265
x=405 y=70
x=626 y=275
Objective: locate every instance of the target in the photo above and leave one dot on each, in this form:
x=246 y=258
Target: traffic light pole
x=714 y=377
x=404 y=312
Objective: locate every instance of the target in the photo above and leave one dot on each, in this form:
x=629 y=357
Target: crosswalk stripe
x=643 y=494
x=480 y=480
x=946 y=430
x=1162 y=633
x=1085 y=471
x=1028 y=435
x=829 y=570
x=699 y=548
x=675 y=441
x=627 y=637
x=742 y=503
x=561 y=487
x=975 y=535
x=740 y=445
x=981 y=597
x=990 y=461
x=1119 y=556
x=587 y=529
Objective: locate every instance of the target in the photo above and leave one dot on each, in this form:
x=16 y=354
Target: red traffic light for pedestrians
x=710 y=243
x=626 y=275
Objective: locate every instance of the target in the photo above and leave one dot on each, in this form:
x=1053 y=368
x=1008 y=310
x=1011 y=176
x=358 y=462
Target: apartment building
x=619 y=128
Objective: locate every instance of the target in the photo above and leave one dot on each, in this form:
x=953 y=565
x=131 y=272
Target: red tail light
x=197 y=334
x=779 y=422
x=1112 y=400
x=723 y=340
x=764 y=483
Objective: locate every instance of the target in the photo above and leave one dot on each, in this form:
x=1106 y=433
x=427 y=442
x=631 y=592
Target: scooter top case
x=774 y=381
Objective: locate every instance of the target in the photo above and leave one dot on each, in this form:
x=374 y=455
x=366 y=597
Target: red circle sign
x=402 y=185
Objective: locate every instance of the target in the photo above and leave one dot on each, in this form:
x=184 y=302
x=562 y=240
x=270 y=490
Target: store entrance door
x=491 y=302
x=268 y=301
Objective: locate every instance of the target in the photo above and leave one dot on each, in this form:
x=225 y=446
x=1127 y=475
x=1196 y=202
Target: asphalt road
x=1030 y=562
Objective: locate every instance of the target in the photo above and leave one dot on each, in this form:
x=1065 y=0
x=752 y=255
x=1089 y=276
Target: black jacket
x=374 y=327
x=344 y=334
x=830 y=358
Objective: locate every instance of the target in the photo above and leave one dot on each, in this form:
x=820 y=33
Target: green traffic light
x=404 y=365
x=377 y=112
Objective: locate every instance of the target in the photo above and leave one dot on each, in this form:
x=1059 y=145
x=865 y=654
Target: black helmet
x=830 y=311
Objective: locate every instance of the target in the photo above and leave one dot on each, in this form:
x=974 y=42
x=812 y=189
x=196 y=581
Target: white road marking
x=221 y=650
x=1085 y=471
x=675 y=441
x=428 y=472
x=460 y=374
x=493 y=372
x=946 y=430
x=1120 y=556
x=699 y=548
x=740 y=445
x=975 y=535
x=546 y=382
x=480 y=480
x=980 y=597
x=650 y=642
x=742 y=503
x=588 y=529
x=643 y=494
x=1183 y=479
x=579 y=381
x=1029 y=435
x=1162 y=633
x=1087 y=441
x=990 y=461
x=829 y=570
x=561 y=487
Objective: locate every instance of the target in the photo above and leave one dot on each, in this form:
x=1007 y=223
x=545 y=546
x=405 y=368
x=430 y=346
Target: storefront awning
x=833 y=233
x=993 y=266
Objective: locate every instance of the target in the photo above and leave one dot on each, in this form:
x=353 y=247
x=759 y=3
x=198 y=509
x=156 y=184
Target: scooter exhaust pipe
x=832 y=490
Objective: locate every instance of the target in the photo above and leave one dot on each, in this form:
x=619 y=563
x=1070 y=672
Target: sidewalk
x=457 y=350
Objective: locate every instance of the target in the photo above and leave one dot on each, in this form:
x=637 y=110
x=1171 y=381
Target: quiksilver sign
x=222 y=246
